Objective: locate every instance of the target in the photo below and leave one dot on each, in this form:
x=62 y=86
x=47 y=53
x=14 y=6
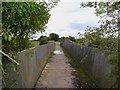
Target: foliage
x=43 y=40
x=20 y=20
x=82 y=80
x=72 y=38
x=109 y=13
x=93 y=37
x=57 y=43
x=52 y=4
x=34 y=43
x=54 y=36
x=106 y=35
x=62 y=39
x=81 y=41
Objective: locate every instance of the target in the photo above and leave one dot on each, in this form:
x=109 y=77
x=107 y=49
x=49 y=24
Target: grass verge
x=57 y=43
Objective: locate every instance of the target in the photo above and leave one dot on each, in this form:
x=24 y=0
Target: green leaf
x=27 y=23
x=9 y=37
x=101 y=4
x=5 y=36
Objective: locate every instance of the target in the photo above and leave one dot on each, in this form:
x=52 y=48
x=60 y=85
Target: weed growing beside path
x=81 y=80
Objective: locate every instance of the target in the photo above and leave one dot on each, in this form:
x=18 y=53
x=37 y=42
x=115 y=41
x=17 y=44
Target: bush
x=54 y=36
x=43 y=40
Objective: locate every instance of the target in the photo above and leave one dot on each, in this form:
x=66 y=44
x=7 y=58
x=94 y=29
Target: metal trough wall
x=32 y=62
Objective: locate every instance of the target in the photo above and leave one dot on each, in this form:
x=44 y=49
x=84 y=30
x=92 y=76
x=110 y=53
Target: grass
x=57 y=43
x=82 y=79
x=35 y=43
x=49 y=59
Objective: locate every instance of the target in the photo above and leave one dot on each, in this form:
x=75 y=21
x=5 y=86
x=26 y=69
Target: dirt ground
x=57 y=73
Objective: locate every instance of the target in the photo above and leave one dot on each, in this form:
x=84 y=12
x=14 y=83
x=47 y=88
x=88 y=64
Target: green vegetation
x=70 y=38
x=82 y=80
x=57 y=43
x=34 y=43
x=93 y=37
x=62 y=39
x=20 y=20
x=0 y=40
x=49 y=61
x=43 y=40
x=106 y=35
x=54 y=36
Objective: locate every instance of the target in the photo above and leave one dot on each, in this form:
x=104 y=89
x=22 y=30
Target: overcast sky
x=67 y=18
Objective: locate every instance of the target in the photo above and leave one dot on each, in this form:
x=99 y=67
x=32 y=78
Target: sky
x=67 y=18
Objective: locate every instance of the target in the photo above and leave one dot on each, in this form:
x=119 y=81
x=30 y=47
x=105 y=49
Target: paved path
x=57 y=73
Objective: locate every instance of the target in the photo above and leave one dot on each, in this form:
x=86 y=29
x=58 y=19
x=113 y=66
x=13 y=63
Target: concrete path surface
x=57 y=73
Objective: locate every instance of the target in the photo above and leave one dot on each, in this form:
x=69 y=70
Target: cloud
x=77 y=26
x=77 y=0
x=81 y=27
x=67 y=18
x=86 y=0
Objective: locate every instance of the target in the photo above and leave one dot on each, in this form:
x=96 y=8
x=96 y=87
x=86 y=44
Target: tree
x=20 y=20
x=109 y=13
x=43 y=40
x=72 y=38
x=54 y=36
x=106 y=36
x=109 y=23
x=62 y=39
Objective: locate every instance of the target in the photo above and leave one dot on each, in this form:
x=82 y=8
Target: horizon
x=67 y=19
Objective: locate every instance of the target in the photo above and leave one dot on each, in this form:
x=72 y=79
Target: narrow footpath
x=57 y=73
